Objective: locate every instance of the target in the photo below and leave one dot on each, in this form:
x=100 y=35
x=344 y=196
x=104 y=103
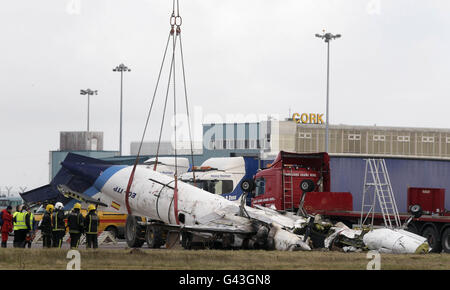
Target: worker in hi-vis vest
x=20 y=227
x=91 y=223
x=75 y=222
x=58 y=225
x=45 y=225
x=31 y=228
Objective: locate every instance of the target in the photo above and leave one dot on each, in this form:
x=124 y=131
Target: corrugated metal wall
x=347 y=174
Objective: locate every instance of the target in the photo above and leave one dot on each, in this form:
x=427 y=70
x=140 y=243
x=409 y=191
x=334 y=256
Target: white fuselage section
x=156 y=201
x=149 y=197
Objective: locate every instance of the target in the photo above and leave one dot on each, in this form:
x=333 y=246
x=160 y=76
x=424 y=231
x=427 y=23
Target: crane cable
x=130 y=181
x=175 y=31
x=187 y=110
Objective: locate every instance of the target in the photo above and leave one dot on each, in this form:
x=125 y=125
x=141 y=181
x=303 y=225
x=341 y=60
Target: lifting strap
x=174 y=34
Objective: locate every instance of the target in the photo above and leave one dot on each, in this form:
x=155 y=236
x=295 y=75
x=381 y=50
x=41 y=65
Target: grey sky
x=390 y=67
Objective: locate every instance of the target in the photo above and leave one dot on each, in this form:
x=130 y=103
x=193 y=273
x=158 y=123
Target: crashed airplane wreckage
x=201 y=217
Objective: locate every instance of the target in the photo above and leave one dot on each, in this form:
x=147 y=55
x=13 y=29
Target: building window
x=252 y=144
x=240 y=144
x=354 y=137
x=93 y=143
x=447 y=140
x=304 y=135
x=427 y=139
x=260 y=186
x=403 y=138
x=379 y=138
x=230 y=144
x=216 y=186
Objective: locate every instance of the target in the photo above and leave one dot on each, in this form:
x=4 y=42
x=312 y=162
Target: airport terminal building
x=273 y=135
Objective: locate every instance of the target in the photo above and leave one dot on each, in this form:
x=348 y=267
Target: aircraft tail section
x=77 y=173
x=46 y=193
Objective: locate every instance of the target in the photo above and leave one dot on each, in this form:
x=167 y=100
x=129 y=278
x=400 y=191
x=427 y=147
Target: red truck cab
x=279 y=185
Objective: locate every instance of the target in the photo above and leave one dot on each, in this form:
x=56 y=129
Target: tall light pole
x=121 y=68
x=327 y=37
x=89 y=93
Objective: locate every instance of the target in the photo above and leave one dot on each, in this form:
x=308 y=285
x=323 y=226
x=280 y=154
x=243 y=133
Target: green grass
x=55 y=259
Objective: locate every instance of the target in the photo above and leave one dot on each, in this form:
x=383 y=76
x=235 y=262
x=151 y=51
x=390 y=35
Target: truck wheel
x=248 y=185
x=307 y=185
x=113 y=230
x=432 y=235
x=416 y=211
x=133 y=233
x=445 y=240
x=186 y=240
x=153 y=237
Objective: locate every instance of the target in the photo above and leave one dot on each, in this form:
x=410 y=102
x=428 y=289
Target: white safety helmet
x=59 y=205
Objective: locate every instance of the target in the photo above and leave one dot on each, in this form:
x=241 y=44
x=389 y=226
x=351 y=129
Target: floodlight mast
x=88 y=92
x=327 y=37
x=121 y=68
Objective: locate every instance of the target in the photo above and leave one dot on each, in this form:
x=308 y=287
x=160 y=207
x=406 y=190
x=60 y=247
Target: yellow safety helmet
x=91 y=207
x=49 y=207
x=77 y=205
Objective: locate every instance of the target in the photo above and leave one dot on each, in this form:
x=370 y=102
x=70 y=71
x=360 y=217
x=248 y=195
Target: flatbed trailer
x=353 y=217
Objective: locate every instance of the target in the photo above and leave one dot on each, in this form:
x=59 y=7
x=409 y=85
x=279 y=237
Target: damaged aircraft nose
x=395 y=241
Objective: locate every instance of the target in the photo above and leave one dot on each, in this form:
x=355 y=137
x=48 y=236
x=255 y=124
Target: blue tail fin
x=77 y=172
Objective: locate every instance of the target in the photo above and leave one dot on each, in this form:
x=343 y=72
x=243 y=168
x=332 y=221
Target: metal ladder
x=288 y=189
x=376 y=178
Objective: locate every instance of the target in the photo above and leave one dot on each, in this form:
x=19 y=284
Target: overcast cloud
x=391 y=66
